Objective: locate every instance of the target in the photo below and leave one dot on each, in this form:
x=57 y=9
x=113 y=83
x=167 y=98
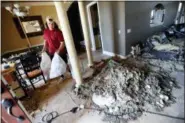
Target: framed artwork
x=33 y=26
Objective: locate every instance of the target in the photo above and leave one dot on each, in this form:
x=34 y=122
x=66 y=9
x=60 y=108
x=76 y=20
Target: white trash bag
x=45 y=65
x=58 y=66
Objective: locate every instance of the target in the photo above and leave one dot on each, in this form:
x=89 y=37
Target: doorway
x=94 y=26
x=76 y=27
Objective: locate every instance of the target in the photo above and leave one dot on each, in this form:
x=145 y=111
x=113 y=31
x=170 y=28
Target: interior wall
x=138 y=20
x=106 y=25
x=117 y=17
x=11 y=39
x=112 y=21
x=118 y=11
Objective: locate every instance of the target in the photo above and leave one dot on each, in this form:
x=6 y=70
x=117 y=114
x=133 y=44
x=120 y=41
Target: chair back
x=30 y=62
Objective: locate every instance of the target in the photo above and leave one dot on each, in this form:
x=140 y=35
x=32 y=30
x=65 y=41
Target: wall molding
x=9 y=51
x=108 y=53
x=113 y=54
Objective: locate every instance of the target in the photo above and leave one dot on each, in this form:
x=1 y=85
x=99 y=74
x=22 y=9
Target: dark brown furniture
x=31 y=67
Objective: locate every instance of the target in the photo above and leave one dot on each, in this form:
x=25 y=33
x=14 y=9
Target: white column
x=64 y=23
x=85 y=32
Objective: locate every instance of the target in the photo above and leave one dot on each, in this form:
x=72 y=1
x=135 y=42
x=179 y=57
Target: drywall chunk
x=101 y=100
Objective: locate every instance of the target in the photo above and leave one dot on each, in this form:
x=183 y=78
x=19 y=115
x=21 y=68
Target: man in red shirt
x=54 y=41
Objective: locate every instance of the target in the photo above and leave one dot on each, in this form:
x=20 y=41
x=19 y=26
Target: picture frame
x=33 y=26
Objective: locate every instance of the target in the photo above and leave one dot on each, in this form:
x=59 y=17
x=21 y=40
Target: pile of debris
x=123 y=91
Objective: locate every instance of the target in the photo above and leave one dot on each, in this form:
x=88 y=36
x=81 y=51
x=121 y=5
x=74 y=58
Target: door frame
x=89 y=18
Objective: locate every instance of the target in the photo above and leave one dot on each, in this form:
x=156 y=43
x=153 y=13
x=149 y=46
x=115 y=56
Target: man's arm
x=61 y=48
x=44 y=47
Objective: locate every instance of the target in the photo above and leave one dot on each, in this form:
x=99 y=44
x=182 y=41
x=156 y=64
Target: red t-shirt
x=53 y=39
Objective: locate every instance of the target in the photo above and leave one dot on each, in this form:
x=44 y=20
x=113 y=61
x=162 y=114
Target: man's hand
x=61 y=47
x=58 y=51
x=43 y=50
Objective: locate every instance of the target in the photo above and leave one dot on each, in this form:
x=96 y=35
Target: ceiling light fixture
x=18 y=10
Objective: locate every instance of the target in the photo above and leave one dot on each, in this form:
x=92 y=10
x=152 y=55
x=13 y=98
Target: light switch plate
x=128 y=30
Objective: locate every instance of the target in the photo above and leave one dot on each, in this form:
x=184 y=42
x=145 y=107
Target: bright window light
x=152 y=13
x=180 y=6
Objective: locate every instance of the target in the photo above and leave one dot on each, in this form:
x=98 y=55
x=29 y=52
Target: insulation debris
x=123 y=90
x=166 y=45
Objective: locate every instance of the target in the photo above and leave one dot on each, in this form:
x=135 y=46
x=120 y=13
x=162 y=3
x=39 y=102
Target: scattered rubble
x=164 y=65
x=42 y=95
x=123 y=89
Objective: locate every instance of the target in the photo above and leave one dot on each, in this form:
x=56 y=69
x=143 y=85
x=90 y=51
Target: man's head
x=50 y=23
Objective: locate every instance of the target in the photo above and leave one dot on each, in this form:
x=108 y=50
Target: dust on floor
x=42 y=95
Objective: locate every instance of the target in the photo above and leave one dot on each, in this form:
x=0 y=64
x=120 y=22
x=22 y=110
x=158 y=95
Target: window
x=180 y=14
x=157 y=15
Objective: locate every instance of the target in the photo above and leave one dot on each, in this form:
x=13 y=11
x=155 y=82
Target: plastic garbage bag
x=58 y=66
x=45 y=65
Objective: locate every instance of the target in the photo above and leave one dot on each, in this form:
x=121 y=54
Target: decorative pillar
x=68 y=39
x=85 y=33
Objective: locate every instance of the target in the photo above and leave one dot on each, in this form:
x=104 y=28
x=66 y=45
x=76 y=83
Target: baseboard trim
x=113 y=54
x=20 y=49
x=108 y=53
